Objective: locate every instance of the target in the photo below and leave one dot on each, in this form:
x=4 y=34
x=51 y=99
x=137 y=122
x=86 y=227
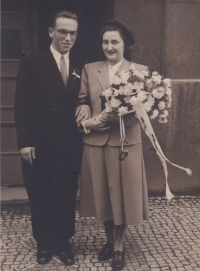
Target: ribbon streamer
x=123 y=152
x=146 y=125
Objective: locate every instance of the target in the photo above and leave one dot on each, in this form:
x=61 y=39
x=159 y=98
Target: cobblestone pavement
x=170 y=240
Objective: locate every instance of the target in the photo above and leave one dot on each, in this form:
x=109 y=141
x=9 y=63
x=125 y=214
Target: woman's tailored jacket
x=95 y=78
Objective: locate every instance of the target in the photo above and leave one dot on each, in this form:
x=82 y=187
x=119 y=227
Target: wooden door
x=19 y=36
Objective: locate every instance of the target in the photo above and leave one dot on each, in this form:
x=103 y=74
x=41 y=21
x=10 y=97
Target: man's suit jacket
x=43 y=106
x=95 y=78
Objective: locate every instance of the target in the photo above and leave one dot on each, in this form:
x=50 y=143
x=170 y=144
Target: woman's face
x=113 y=46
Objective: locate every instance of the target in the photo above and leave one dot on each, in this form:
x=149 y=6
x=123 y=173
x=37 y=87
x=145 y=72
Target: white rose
x=146 y=73
x=141 y=84
x=169 y=101
x=121 y=90
x=157 y=79
x=127 y=99
x=149 y=84
x=139 y=74
x=142 y=95
x=122 y=111
x=168 y=91
x=167 y=82
x=138 y=86
x=155 y=114
x=164 y=114
x=116 y=80
x=158 y=92
x=127 y=90
x=161 y=105
x=107 y=92
x=133 y=101
x=124 y=76
x=116 y=92
x=151 y=100
x=108 y=107
x=162 y=120
x=132 y=67
x=147 y=106
x=130 y=85
x=154 y=73
x=115 y=103
x=161 y=89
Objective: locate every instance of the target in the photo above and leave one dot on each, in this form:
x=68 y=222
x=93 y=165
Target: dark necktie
x=63 y=70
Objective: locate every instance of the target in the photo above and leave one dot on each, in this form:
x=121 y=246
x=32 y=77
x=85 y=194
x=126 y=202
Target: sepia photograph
x=100 y=135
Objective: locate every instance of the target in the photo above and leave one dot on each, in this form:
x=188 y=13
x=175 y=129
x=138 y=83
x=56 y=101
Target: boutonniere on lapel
x=76 y=74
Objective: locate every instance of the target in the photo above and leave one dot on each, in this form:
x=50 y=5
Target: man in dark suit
x=48 y=83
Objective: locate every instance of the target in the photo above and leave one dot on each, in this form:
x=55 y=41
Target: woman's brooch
x=75 y=74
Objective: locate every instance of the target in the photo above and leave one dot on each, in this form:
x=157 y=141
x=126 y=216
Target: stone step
x=9 y=67
x=8 y=86
x=7 y=113
x=13 y=195
x=8 y=136
x=11 y=173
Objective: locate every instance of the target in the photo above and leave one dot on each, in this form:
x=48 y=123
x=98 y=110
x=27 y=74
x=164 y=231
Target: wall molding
x=9 y=153
x=185 y=80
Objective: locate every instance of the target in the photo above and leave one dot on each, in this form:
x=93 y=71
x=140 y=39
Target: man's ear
x=51 y=34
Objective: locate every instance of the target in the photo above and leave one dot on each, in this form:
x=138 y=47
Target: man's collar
x=57 y=55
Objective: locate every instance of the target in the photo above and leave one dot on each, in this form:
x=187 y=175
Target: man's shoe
x=106 y=253
x=44 y=254
x=118 y=260
x=67 y=257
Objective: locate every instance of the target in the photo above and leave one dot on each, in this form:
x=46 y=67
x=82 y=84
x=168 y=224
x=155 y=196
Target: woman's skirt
x=113 y=189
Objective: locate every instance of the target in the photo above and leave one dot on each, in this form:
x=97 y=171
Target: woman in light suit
x=112 y=190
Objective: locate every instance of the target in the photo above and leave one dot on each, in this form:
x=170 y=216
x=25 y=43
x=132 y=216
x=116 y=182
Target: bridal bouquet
x=148 y=97
x=131 y=86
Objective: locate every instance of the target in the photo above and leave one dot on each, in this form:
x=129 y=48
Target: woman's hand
x=108 y=117
x=96 y=124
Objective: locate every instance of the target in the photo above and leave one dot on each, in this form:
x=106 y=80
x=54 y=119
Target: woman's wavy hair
x=125 y=32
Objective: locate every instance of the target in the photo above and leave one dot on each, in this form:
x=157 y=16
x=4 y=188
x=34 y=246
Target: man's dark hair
x=125 y=32
x=63 y=14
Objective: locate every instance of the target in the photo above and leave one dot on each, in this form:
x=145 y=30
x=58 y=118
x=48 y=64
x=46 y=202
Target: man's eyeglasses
x=64 y=33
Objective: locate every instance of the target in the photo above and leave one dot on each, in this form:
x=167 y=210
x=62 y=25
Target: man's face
x=63 y=41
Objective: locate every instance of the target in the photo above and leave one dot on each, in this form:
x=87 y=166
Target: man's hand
x=96 y=124
x=82 y=113
x=27 y=154
x=108 y=117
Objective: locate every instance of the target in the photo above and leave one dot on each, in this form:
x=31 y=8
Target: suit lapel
x=103 y=74
x=72 y=79
x=51 y=69
x=124 y=66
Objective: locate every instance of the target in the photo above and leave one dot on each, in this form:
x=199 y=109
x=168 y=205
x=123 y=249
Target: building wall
x=18 y=37
x=167 y=38
x=145 y=18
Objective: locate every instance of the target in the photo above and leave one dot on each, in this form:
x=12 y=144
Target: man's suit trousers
x=52 y=183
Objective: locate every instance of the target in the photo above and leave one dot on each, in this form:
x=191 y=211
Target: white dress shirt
x=57 y=57
x=113 y=69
